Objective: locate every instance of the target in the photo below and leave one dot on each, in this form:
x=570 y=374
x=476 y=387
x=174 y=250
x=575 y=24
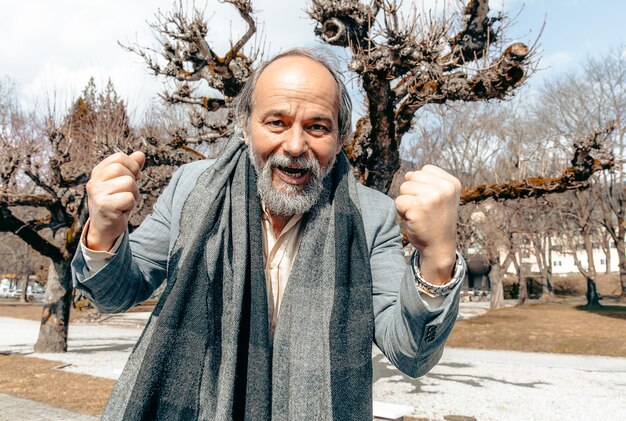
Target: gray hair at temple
x=244 y=101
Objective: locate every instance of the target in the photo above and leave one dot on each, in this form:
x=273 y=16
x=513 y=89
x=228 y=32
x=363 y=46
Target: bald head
x=310 y=68
x=298 y=73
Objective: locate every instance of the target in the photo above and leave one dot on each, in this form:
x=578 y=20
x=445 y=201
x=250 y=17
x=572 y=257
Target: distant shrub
x=534 y=285
x=511 y=290
x=511 y=287
x=567 y=286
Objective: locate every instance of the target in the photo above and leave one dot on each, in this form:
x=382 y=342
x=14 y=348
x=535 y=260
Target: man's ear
x=339 y=146
x=246 y=136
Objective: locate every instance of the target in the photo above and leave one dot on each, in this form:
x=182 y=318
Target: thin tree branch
x=36 y=200
x=10 y=223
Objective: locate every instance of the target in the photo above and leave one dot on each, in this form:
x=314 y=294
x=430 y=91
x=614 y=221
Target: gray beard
x=293 y=199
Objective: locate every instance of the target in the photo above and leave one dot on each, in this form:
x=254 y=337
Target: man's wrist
x=94 y=242
x=436 y=290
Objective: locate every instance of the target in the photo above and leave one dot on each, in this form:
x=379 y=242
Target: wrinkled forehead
x=297 y=74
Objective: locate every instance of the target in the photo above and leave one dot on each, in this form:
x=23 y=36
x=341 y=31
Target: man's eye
x=275 y=123
x=319 y=128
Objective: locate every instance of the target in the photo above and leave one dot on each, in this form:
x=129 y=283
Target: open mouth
x=294 y=172
x=293 y=175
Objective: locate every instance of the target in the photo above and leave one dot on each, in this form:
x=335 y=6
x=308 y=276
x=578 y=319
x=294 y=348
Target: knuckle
x=128 y=180
x=449 y=189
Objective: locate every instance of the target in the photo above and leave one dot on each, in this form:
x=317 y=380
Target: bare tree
x=500 y=245
x=487 y=145
x=581 y=102
x=44 y=168
x=404 y=65
x=19 y=259
x=204 y=81
x=578 y=222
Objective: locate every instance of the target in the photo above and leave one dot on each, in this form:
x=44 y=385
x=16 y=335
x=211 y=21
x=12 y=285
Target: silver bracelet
x=438 y=290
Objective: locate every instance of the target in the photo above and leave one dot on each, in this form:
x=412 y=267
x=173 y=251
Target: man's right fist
x=113 y=193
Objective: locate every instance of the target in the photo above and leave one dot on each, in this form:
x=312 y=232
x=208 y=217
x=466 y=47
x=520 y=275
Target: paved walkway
x=14 y=409
x=487 y=385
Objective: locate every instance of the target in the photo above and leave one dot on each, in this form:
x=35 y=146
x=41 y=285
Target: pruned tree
x=204 y=82
x=404 y=65
x=590 y=156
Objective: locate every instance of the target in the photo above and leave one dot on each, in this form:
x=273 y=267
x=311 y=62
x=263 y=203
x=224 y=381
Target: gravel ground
x=487 y=385
x=507 y=385
x=99 y=350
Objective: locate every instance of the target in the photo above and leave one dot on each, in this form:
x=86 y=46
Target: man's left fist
x=429 y=202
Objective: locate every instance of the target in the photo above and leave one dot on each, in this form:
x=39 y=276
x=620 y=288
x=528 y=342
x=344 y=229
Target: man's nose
x=295 y=143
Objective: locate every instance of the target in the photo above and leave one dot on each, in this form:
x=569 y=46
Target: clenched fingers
x=125 y=183
x=119 y=164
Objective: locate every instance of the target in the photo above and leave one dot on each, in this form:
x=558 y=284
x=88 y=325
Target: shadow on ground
x=616 y=312
x=385 y=370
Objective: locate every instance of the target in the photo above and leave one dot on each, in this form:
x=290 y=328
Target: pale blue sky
x=574 y=30
x=57 y=45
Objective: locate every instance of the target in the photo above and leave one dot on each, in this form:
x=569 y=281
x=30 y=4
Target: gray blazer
x=408 y=332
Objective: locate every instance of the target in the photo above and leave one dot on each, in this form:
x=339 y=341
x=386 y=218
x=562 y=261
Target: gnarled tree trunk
x=22 y=286
x=56 y=309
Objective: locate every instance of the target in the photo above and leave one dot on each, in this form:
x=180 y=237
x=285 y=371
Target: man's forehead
x=297 y=72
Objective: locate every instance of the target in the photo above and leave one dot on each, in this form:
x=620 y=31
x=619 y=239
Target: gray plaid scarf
x=207 y=353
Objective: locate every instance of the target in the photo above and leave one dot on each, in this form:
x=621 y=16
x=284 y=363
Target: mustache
x=299 y=162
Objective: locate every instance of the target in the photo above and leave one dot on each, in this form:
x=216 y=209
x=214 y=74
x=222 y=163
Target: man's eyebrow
x=324 y=118
x=274 y=112
x=278 y=112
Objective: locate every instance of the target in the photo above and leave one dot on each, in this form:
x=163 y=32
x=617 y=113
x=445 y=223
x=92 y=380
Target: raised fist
x=429 y=202
x=113 y=193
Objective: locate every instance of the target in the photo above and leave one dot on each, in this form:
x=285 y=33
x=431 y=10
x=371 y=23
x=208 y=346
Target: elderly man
x=281 y=268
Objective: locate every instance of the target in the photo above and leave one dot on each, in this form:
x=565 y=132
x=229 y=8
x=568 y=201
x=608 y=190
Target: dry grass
x=36 y=379
x=32 y=311
x=565 y=327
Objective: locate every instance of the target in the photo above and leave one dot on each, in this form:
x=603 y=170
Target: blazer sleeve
x=408 y=331
x=140 y=264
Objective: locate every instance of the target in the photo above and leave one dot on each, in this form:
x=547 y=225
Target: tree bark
x=593 y=298
x=497 y=291
x=620 y=245
x=56 y=309
x=541 y=247
x=22 y=286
